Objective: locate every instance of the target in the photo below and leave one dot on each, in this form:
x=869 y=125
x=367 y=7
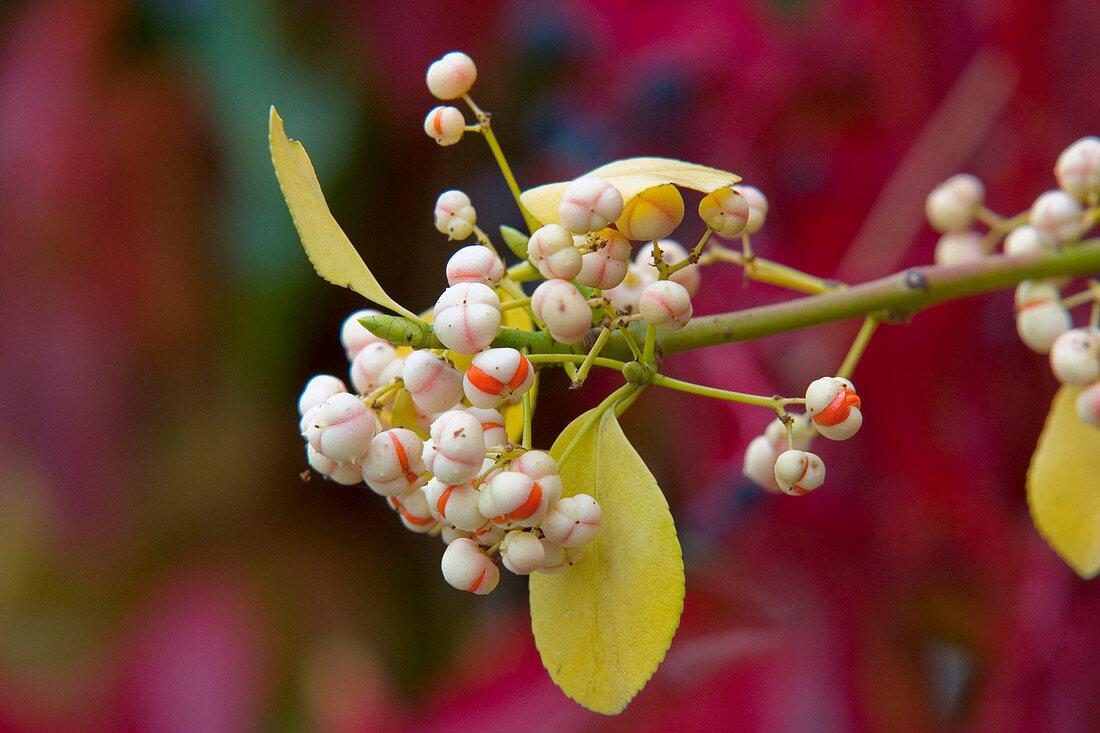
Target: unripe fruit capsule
x=1027 y=240
x=541 y=467
x=522 y=552
x=341 y=428
x=317 y=390
x=434 y=383
x=952 y=204
x=834 y=406
x=467 y=317
x=665 y=304
x=652 y=214
x=1078 y=168
x=512 y=499
x=798 y=473
x=495 y=375
x=1075 y=356
x=412 y=508
x=1059 y=214
x=589 y=204
x=559 y=559
x=959 y=248
x=457 y=448
x=475 y=263
x=353 y=336
x=493 y=428
x=393 y=466
x=758 y=207
x=573 y=521
x=624 y=297
x=607 y=266
x=451 y=76
x=551 y=250
x=455 y=215
x=759 y=465
x=724 y=211
x=454 y=504
x=373 y=366
x=347 y=474
x=1040 y=316
x=563 y=309
x=466 y=567
x=445 y=125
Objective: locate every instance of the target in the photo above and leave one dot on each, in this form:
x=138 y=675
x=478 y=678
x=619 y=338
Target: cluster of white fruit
x=1057 y=218
x=779 y=460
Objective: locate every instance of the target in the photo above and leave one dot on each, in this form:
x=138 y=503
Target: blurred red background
x=163 y=567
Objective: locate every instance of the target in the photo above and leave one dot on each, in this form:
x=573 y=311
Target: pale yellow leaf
x=1063 y=485
x=328 y=248
x=631 y=177
x=603 y=626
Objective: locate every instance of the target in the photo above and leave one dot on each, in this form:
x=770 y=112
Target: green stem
x=528 y=413
x=870 y=323
x=590 y=357
x=593 y=417
x=723 y=394
x=575 y=359
x=650 y=343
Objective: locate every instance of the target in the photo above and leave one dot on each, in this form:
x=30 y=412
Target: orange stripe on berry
x=442 y=503
x=483 y=382
x=477 y=583
x=521 y=373
x=1032 y=304
x=530 y=506
x=413 y=519
x=438 y=123
x=839 y=409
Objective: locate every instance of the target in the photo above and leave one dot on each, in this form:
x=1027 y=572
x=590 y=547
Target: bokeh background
x=164 y=568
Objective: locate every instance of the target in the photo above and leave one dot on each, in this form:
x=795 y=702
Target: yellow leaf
x=603 y=626
x=631 y=177
x=325 y=243
x=1063 y=485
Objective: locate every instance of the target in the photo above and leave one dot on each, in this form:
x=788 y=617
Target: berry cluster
x=779 y=459
x=1057 y=219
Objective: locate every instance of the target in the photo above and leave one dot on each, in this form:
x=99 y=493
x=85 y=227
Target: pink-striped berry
x=671 y=253
x=341 y=428
x=1059 y=214
x=512 y=499
x=488 y=535
x=466 y=567
x=563 y=309
x=434 y=383
x=495 y=375
x=317 y=390
x=445 y=125
x=725 y=212
x=959 y=248
x=493 y=428
x=559 y=559
x=952 y=205
x=798 y=472
x=758 y=207
x=665 y=304
x=454 y=504
x=354 y=336
x=451 y=76
x=1088 y=405
x=522 y=552
x=457 y=447
x=467 y=317
x=834 y=406
x=475 y=263
x=412 y=509
x=1075 y=356
x=1028 y=240
x=455 y=215
x=607 y=266
x=573 y=521
x=1078 y=168
x=394 y=465
x=759 y=465
x=347 y=474
x=375 y=364
x=652 y=214
x=551 y=250
x=1040 y=316
x=589 y=204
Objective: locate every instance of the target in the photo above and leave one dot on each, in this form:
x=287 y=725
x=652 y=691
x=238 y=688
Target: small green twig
x=866 y=331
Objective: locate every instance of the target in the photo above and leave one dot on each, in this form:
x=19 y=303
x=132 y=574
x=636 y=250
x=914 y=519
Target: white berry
x=1028 y=240
x=952 y=204
x=834 y=406
x=665 y=304
x=551 y=250
x=563 y=309
x=317 y=390
x=522 y=552
x=475 y=264
x=573 y=521
x=352 y=334
x=1075 y=356
x=341 y=428
x=455 y=215
x=758 y=207
x=466 y=567
x=454 y=504
x=589 y=204
x=1059 y=214
x=393 y=465
x=798 y=472
x=1078 y=168
x=494 y=432
x=457 y=448
x=513 y=499
x=451 y=76
x=759 y=465
x=725 y=211
x=607 y=266
x=374 y=366
x=467 y=317
x=558 y=559
x=959 y=248
x=445 y=125
x=347 y=474
x=434 y=383
x=1040 y=316
x=412 y=508
x=495 y=375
